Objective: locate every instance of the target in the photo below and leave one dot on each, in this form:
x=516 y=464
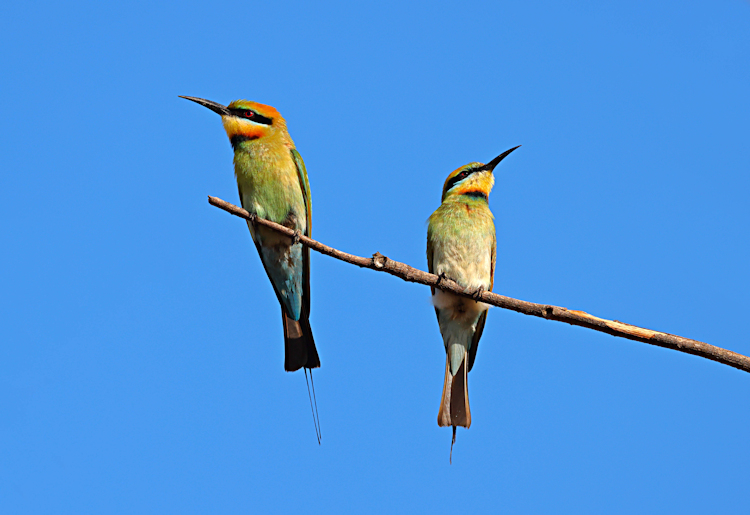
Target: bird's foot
x=295 y=237
x=441 y=277
x=478 y=293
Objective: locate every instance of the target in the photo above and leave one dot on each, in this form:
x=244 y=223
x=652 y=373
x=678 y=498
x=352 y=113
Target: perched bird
x=461 y=247
x=273 y=185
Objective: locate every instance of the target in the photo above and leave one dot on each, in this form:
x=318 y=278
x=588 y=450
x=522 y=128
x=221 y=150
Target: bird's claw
x=478 y=293
x=295 y=237
x=441 y=277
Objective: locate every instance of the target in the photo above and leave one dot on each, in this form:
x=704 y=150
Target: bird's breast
x=269 y=185
x=462 y=238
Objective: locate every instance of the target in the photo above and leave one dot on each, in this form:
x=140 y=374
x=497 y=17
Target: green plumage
x=270 y=183
x=273 y=185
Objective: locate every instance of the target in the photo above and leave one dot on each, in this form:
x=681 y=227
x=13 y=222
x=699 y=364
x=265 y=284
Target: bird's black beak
x=492 y=164
x=213 y=106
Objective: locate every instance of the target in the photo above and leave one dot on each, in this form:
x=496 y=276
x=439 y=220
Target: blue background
x=141 y=358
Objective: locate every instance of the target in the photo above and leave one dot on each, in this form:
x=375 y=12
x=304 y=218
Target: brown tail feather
x=299 y=346
x=454 y=405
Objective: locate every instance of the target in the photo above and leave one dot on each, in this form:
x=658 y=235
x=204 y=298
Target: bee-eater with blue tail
x=273 y=185
x=461 y=246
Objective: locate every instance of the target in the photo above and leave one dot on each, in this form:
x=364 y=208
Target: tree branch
x=382 y=264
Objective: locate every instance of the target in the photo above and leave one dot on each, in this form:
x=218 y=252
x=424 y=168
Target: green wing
x=429 y=260
x=430 y=269
x=483 y=317
x=305 y=186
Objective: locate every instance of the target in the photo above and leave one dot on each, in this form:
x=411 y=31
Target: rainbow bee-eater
x=273 y=185
x=461 y=246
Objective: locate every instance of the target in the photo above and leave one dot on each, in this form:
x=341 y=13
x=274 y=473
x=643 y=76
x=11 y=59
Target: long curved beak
x=213 y=106
x=492 y=164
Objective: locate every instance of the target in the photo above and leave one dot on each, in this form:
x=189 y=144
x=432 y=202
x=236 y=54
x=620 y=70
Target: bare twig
x=382 y=264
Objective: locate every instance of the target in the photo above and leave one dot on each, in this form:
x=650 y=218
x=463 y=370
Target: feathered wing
x=429 y=262
x=281 y=269
x=475 y=341
x=299 y=345
x=480 y=324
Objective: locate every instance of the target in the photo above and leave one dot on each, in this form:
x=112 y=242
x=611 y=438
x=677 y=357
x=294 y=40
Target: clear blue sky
x=141 y=365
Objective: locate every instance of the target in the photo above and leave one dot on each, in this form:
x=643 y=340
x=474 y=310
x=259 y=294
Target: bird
x=461 y=246
x=273 y=185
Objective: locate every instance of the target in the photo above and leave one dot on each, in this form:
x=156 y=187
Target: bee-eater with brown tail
x=273 y=185
x=461 y=246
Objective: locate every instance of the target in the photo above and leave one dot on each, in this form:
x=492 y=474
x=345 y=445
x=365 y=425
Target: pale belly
x=468 y=263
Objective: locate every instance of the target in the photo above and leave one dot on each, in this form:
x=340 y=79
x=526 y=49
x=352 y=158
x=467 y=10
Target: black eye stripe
x=460 y=177
x=249 y=114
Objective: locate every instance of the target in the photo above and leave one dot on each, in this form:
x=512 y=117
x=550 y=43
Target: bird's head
x=248 y=121
x=473 y=178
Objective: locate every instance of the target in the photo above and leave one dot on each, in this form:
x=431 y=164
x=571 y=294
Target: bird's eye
x=249 y=114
